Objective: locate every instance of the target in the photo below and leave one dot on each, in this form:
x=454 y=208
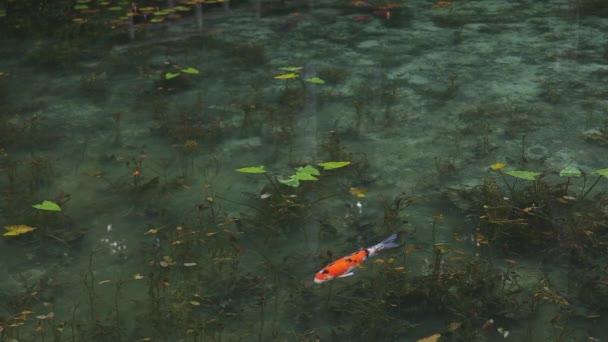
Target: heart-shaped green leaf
x=571 y=171
x=528 y=175
x=171 y=75
x=252 y=169
x=333 y=165
x=291 y=181
x=315 y=80
x=602 y=172
x=303 y=176
x=47 y=205
x=291 y=68
x=191 y=71
x=308 y=169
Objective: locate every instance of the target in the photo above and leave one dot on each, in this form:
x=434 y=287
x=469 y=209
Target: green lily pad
x=528 y=175
x=333 y=165
x=311 y=170
x=291 y=181
x=315 y=80
x=303 y=176
x=172 y=75
x=291 y=68
x=252 y=169
x=286 y=76
x=81 y=7
x=191 y=71
x=47 y=205
x=602 y=172
x=571 y=171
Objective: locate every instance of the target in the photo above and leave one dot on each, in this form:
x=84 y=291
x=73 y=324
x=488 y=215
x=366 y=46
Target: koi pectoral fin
x=348 y=274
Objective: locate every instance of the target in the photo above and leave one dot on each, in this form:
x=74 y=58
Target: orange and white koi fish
x=344 y=267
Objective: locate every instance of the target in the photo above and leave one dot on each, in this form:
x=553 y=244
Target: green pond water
x=474 y=130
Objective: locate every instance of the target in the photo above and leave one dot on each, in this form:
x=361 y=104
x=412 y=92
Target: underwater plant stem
x=434 y=222
x=274 y=185
x=323 y=198
x=89 y=283
x=504 y=179
x=116 y=307
x=567 y=184
x=523 y=149
x=591 y=187
x=243 y=204
x=261 y=333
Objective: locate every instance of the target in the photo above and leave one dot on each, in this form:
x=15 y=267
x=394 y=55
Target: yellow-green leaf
x=291 y=68
x=286 y=76
x=333 y=165
x=47 y=205
x=528 y=175
x=191 y=71
x=252 y=169
x=171 y=75
x=497 y=166
x=315 y=80
x=602 y=172
x=17 y=230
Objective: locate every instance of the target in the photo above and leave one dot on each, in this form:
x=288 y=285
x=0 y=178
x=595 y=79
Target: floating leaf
x=291 y=68
x=528 y=175
x=570 y=171
x=497 y=166
x=195 y=303
x=602 y=172
x=81 y=7
x=358 y=192
x=191 y=71
x=47 y=205
x=315 y=80
x=252 y=169
x=286 y=76
x=17 y=230
x=171 y=75
x=290 y=181
x=152 y=231
x=333 y=165
x=432 y=338
x=304 y=176
x=311 y=170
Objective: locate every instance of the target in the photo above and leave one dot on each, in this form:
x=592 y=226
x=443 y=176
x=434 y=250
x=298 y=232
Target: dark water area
x=224 y=171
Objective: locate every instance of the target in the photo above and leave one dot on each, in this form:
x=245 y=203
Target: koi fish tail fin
x=385 y=244
x=388 y=242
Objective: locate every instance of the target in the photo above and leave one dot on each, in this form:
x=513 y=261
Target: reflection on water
x=474 y=130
